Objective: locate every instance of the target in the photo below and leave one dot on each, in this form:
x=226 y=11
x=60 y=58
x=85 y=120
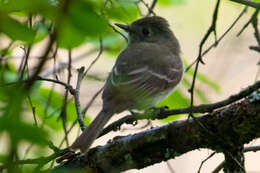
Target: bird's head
x=148 y=29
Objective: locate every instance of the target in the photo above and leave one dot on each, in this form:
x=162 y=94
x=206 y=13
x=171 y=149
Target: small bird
x=144 y=73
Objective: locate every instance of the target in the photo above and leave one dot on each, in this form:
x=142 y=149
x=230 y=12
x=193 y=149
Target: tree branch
x=76 y=98
x=203 y=108
x=247 y=3
x=169 y=141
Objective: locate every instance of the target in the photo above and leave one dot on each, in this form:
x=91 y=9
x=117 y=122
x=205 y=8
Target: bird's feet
x=155 y=112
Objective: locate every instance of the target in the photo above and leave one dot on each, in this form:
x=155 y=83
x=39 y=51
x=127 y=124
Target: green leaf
x=41 y=30
x=23 y=7
x=11 y=121
x=19 y=130
x=69 y=36
x=83 y=16
x=113 y=43
x=9 y=77
x=87 y=120
x=123 y=10
x=48 y=104
x=170 y=2
x=81 y=22
x=203 y=78
x=198 y=92
x=174 y=101
x=6 y=76
x=15 y=30
x=6 y=52
x=2 y=158
x=71 y=111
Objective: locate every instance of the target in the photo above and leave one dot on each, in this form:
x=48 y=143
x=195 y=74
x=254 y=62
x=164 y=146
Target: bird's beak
x=127 y=28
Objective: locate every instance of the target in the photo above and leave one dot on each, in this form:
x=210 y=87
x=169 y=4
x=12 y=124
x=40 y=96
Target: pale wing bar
x=143 y=80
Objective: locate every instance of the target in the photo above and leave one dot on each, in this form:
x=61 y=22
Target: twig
x=150 y=8
x=226 y=32
x=67 y=86
x=95 y=60
x=255 y=48
x=126 y=39
x=63 y=113
x=91 y=101
x=252 y=148
x=236 y=161
x=5 y=51
x=26 y=57
x=33 y=110
x=258 y=70
x=42 y=160
x=219 y=167
x=40 y=65
x=211 y=155
x=76 y=99
x=83 y=112
x=211 y=29
x=62 y=66
x=249 y=21
x=203 y=108
x=246 y=149
x=247 y=3
x=233 y=119
x=39 y=161
x=220 y=38
x=256 y=33
x=72 y=91
x=170 y=167
x=255 y=24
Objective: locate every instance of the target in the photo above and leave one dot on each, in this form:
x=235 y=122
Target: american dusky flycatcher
x=144 y=73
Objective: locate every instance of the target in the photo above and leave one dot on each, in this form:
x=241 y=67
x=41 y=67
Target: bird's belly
x=148 y=102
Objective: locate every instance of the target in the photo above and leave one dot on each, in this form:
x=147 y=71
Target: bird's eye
x=145 y=32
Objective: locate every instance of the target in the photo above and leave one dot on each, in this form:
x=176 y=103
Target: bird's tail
x=88 y=136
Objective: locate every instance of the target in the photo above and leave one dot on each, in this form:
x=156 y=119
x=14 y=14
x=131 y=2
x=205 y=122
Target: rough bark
x=223 y=130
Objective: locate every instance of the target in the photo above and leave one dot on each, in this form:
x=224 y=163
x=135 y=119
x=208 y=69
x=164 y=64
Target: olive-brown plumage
x=144 y=73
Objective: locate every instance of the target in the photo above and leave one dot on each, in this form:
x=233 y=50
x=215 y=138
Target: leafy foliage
x=48 y=105
x=31 y=115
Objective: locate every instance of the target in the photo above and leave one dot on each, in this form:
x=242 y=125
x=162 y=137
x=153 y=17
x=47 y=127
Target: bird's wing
x=145 y=78
x=144 y=72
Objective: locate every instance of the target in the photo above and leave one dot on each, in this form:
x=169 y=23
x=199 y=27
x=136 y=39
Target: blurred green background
x=30 y=119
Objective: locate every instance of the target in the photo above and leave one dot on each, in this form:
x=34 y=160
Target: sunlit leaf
x=81 y=22
x=174 y=101
x=42 y=30
x=2 y=158
x=112 y=43
x=22 y=7
x=69 y=36
x=11 y=120
x=198 y=92
x=19 y=130
x=203 y=78
x=87 y=120
x=48 y=105
x=170 y=2
x=122 y=10
x=83 y=16
x=15 y=30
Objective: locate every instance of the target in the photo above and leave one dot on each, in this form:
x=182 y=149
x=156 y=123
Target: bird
x=145 y=72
